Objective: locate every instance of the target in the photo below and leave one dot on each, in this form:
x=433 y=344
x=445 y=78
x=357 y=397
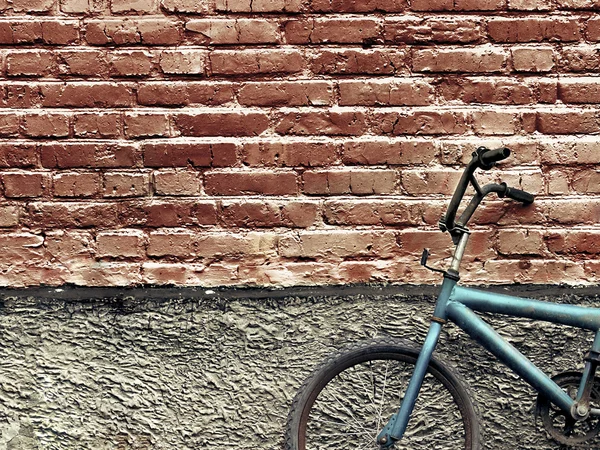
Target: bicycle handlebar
x=485 y=159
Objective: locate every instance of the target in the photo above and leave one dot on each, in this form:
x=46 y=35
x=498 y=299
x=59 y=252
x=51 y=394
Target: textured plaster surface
x=219 y=371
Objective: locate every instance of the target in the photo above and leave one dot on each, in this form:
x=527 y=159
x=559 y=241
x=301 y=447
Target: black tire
x=319 y=417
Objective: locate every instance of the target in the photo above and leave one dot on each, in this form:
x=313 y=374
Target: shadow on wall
x=220 y=371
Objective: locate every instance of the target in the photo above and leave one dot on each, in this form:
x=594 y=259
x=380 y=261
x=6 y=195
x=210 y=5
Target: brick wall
x=283 y=142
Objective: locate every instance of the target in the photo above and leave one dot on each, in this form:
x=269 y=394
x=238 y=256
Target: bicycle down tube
x=457 y=303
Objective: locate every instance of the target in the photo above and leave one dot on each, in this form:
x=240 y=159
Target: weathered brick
x=289 y=154
x=142 y=31
x=521 y=242
x=93 y=95
x=72 y=155
x=582 y=58
x=18 y=155
x=484 y=59
x=130 y=63
x=25 y=184
x=138 y=125
x=126 y=185
x=421 y=122
x=358 y=5
x=286 y=93
x=9 y=124
x=230 y=123
x=34 y=63
x=491 y=122
x=234 y=31
x=46 y=125
x=539 y=59
x=9 y=216
x=182 y=62
x=181 y=154
x=134 y=6
x=177 y=182
x=323 y=123
x=85 y=63
x=571 y=151
x=249 y=183
x=567 y=122
x=534 y=30
x=76 y=6
x=98 y=125
x=413 y=30
x=32 y=5
x=186 y=6
x=184 y=93
x=497 y=91
x=337 y=31
x=530 y=5
x=357 y=182
x=579 y=90
x=349 y=61
x=374 y=212
x=386 y=93
x=20 y=248
x=586 y=182
x=389 y=152
x=118 y=244
x=76 y=184
x=259 y=6
x=259 y=214
x=247 y=62
x=339 y=244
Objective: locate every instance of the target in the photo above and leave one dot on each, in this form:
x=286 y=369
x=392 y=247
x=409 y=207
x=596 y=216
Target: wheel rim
x=355 y=403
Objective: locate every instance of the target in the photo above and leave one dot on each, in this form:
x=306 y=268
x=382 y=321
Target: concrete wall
x=184 y=370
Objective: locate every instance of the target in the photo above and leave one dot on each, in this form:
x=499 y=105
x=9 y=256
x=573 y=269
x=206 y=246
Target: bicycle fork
x=396 y=426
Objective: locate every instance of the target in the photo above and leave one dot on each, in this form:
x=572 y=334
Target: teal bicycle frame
x=456 y=303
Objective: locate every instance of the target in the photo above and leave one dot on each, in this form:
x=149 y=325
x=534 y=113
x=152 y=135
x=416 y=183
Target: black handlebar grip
x=519 y=195
x=488 y=158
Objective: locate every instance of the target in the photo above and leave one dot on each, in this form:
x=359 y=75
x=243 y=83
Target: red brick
x=337 y=31
x=289 y=154
x=386 y=93
x=496 y=123
x=93 y=95
x=138 y=125
x=195 y=245
x=571 y=151
x=386 y=152
x=130 y=64
x=250 y=183
x=567 y=122
x=184 y=93
x=18 y=155
x=98 y=125
x=185 y=6
x=579 y=90
x=56 y=32
x=21 y=96
x=484 y=59
x=124 y=243
x=233 y=31
x=358 y=5
x=33 y=5
x=374 y=212
x=76 y=6
x=88 y=63
x=499 y=91
x=259 y=6
x=50 y=32
x=432 y=5
x=17 y=185
x=413 y=30
x=581 y=58
x=432 y=181
x=593 y=29
x=248 y=62
x=134 y=6
x=182 y=62
x=256 y=214
x=49 y=215
x=357 y=182
x=9 y=124
x=420 y=123
x=459 y=5
x=76 y=184
x=339 y=244
x=181 y=154
x=34 y=63
x=323 y=123
x=374 y=62
x=530 y=5
x=586 y=181
x=238 y=123
x=126 y=185
x=572 y=211
x=177 y=182
x=578 y=4
x=21 y=248
x=67 y=155
x=46 y=125
x=146 y=31
x=534 y=30
x=9 y=216
x=537 y=59
x=285 y=93
x=521 y=242
x=174 y=213
x=575 y=242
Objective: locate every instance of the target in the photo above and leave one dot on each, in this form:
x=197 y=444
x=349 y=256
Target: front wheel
x=347 y=400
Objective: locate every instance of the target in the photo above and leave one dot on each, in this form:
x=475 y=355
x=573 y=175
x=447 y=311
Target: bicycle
x=358 y=398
